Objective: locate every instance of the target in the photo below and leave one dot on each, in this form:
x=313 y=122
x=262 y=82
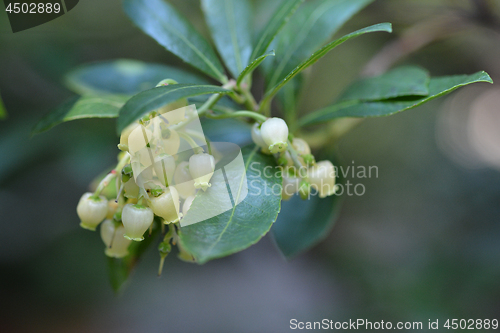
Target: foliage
x=295 y=37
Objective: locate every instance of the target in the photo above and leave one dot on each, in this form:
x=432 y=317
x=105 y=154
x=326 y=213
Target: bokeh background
x=422 y=243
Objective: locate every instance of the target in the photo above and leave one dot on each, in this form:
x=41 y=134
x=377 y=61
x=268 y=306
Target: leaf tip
x=486 y=77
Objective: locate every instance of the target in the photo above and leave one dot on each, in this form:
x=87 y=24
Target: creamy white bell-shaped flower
x=125 y=134
x=187 y=204
x=201 y=168
x=184 y=183
x=290 y=186
x=167 y=205
x=275 y=134
x=139 y=138
x=91 y=210
x=164 y=167
x=131 y=189
x=257 y=139
x=301 y=146
x=113 y=238
x=136 y=220
x=322 y=178
x=112 y=207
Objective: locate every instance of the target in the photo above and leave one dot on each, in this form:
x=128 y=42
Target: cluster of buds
x=155 y=177
x=300 y=170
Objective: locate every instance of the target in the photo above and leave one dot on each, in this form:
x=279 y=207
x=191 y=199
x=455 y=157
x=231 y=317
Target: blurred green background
x=422 y=243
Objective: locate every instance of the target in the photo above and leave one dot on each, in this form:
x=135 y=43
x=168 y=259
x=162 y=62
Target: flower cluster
x=301 y=170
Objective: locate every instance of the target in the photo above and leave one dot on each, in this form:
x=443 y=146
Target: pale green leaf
x=102 y=106
x=320 y=53
x=229 y=23
x=124 y=77
x=169 y=28
x=280 y=17
x=437 y=87
x=311 y=27
x=155 y=98
x=252 y=66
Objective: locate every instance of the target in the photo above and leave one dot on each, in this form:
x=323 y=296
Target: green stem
x=250 y=114
x=209 y=103
x=111 y=175
x=295 y=158
x=191 y=142
x=250 y=102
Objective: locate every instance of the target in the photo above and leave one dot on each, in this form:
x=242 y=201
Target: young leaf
x=304 y=223
x=402 y=81
x=124 y=77
x=105 y=106
x=314 y=24
x=229 y=23
x=273 y=27
x=320 y=53
x=252 y=66
x=246 y=223
x=168 y=27
x=437 y=87
x=155 y=98
x=3 y=113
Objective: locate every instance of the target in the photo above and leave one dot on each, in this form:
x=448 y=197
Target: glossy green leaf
x=229 y=23
x=104 y=106
x=119 y=270
x=402 y=81
x=280 y=17
x=321 y=52
x=168 y=27
x=313 y=25
x=252 y=66
x=3 y=112
x=155 y=98
x=244 y=224
x=124 y=77
x=437 y=87
x=304 y=223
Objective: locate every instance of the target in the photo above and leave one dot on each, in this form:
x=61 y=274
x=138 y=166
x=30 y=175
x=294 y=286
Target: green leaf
x=252 y=66
x=124 y=77
x=170 y=29
x=105 y=106
x=229 y=23
x=3 y=112
x=437 y=87
x=320 y=53
x=119 y=270
x=314 y=24
x=402 y=81
x=286 y=9
x=155 y=98
x=242 y=226
x=304 y=223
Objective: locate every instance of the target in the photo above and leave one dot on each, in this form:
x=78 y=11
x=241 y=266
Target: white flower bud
x=275 y=134
x=91 y=210
x=184 y=184
x=301 y=146
x=290 y=186
x=164 y=167
x=167 y=205
x=257 y=139
x=113 y=238
x=187 y=204
x=136 y=220
x=201 y=167
x=322 y=178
